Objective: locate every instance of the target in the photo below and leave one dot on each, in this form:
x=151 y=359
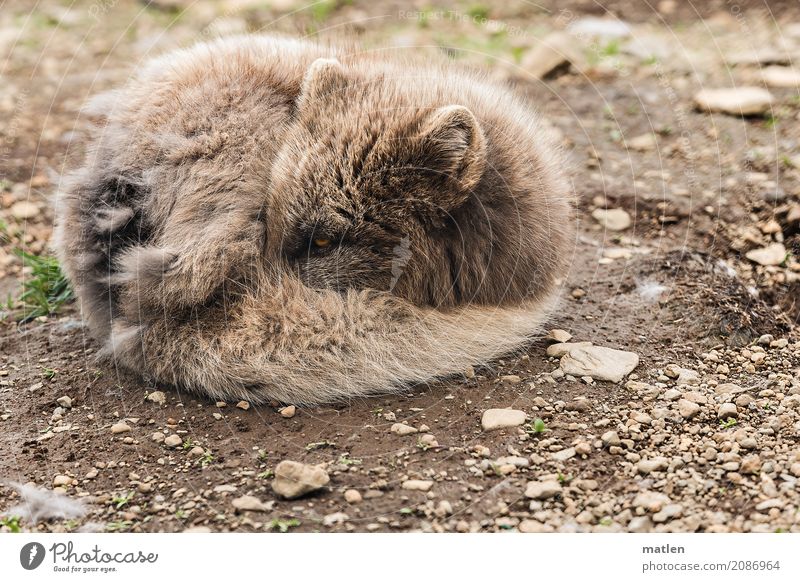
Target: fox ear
x=451 y=143
x=323 y=78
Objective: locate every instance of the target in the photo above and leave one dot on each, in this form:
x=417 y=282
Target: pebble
x=552 y=52
x=335 y=519
x=652 y=501
x=173 y=441
x=120 y=427
x=611 y=439
x=688 y=409
x=614 y=219
x=288 y=411
x=781 y=76
x=771 y=255
x=562 y=349
x=510 y=379
x=293 y=479
x=403 y=429
x=564 y=454
x=559 y=335
x=417 y=485
x=669 y=511
x=727 y=410
x=157 y=437
x=352 y=496
x=541 y=490
x=654 y=464
x=640 y=524
x=496 y=418
x=243 y=405
x=250 y=503
x=23 y=210
x=158 y=397
x=61 y=481
x=599 y=363
x=642 y=143
x=735 y=101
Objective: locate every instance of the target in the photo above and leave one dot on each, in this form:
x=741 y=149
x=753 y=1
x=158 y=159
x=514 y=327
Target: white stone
x=250 y=503
x=417 y=485
x=403 y=429
x=599 y=363
x=293 y=479
x=735 y=101
x=541 y=490
x=561 y=349
x=781 y=76
x=158 y=397
x=496 y=418
x=614 y=219
x=774 y=254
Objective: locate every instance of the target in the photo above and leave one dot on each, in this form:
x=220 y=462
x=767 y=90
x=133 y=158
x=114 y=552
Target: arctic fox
x=261 y=218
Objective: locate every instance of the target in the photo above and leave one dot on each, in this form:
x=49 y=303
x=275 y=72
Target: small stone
x=443 y=509
x=541 y=490
x=61 y=481
x=722 y=389
x=559 y=335
x=469 y=373
x=93 y=472
x=496 y=418
x=224 y=488
x=564 y=454
x=197 y=452
x=510 y=379
x=735 y=101
x=795 y=469
x=250 y=503
x=781 y=76
x=173 y=441
x=611 y=439
x=727 y=410
x=614 y=219
x=640 y=524
x=334 y=519
x=158 y=397
x=288 y=411
x=293 y=479
x=120 y=427
x=751 y=465
x=771 y=255
x=688 y=409
x=642 y=143
x=562 y=349
x=748 y=443
x=403 y=429
x=654 y=464
x=599 y=363
x=651 y=501
x=417 y=485
x=428 y=440
x=670 y=511
x=552 y=53
x=243 y=404
x=583 y=448
x=157 y=437
x=65 y=402
x=352 y=496
x=23 y=210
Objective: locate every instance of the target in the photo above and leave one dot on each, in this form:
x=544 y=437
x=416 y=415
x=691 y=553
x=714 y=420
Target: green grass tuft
x=45 y=290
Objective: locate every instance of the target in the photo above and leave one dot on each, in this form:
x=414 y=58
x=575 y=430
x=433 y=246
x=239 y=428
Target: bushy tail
x=294 y=344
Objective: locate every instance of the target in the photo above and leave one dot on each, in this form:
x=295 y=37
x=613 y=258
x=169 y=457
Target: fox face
x=368 y=187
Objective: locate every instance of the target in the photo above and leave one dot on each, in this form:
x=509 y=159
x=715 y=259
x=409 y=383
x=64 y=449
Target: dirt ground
x=659 y=451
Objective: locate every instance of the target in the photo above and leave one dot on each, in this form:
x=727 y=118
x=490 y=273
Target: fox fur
x=261 y=218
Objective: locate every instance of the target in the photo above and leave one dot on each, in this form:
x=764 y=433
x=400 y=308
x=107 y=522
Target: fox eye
x=321 y=243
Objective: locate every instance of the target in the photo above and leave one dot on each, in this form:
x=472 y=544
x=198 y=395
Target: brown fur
x=189 y=232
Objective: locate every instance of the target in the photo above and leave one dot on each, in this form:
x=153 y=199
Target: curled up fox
x=261 y=218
